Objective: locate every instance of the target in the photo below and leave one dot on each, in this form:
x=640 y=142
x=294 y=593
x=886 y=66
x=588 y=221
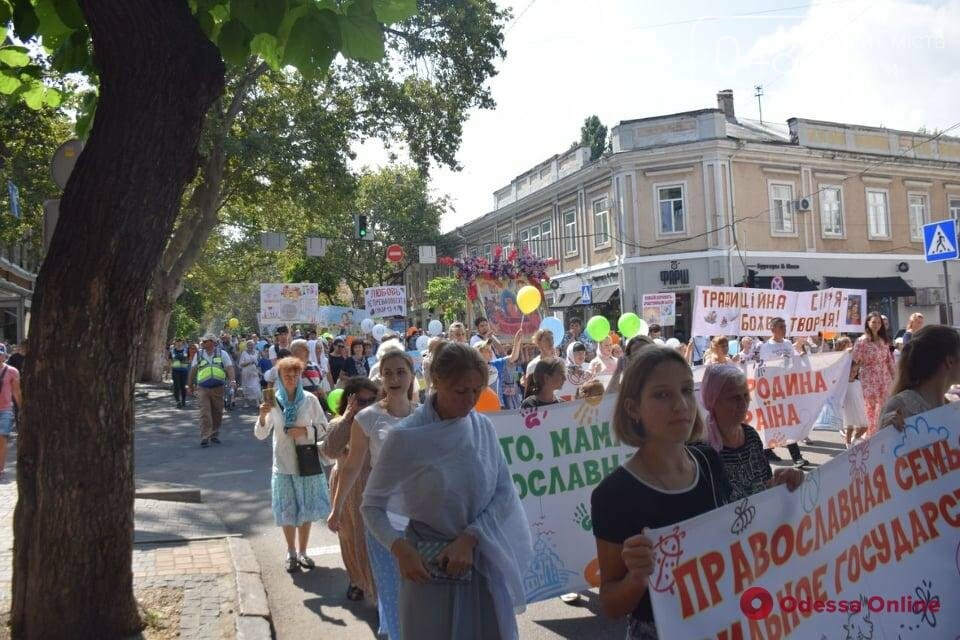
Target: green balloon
x=629 y=324
x=598 y=328
x=333 y=400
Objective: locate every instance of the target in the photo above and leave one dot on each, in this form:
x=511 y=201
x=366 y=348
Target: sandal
x=354 y=593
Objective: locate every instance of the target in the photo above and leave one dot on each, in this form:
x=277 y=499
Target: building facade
x=702 y=197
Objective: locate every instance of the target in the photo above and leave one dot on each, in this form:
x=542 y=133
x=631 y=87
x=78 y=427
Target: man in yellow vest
x=210 y=371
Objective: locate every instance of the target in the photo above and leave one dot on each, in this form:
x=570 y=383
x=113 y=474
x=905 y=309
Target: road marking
x=323 y=551
x=225 y=473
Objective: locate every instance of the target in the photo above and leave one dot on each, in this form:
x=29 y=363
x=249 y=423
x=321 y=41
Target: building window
x=781 y=208
x=831 y=211
x=878 y=214
x=671 y=209
x=506 y=240
x=546 y=239
x=525 y=240
x=474 y=251
x=601 y=222
x=570 y=232
x=487 y=251
x=918 y=215
x=954 y=206
x=535 y=240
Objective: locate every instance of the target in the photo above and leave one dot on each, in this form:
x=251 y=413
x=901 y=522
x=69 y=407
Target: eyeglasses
x=364 y=402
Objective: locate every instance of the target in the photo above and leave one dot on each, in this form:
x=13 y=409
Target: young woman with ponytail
x=928 y=365
x=548 y=376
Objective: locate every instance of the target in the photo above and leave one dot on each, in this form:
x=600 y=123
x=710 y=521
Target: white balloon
x=367 y=325
x=379 y=331
x=435 y=328
x=422 y=343
x=658 y=341
x=673 y=343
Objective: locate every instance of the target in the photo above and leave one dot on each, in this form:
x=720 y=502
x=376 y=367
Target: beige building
x=703 y=197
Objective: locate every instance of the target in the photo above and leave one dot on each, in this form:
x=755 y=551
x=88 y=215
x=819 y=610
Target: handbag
x=308 y=457
x=429 y=550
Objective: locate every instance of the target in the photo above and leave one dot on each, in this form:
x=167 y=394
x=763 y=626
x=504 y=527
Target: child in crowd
x=542 y=386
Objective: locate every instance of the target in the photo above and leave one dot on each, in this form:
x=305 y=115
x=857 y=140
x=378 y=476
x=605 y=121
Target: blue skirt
x=298 y=500
x=386 y=575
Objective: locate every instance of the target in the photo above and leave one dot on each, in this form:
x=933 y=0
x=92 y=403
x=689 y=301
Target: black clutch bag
x=308 y=457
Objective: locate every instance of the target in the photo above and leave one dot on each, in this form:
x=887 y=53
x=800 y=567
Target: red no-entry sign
x=395 y=253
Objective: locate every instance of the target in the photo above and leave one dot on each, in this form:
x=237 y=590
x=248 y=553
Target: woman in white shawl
x=467 y=545
x=250 y=375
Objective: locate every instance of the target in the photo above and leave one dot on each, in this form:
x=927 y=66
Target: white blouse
x=284 y=449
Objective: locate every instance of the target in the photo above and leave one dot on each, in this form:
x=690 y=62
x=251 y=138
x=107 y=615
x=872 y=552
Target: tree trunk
x=163 y=296
x=73 y=524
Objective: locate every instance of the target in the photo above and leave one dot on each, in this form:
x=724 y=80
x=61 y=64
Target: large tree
x=435 y=70
x=158 y=69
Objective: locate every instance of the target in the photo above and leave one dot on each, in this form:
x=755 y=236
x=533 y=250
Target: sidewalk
x=195 y=580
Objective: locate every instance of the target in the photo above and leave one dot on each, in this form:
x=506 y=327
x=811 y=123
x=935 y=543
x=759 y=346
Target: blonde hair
x=396 y=354
x=637 y=375
x=843 y=343
x=290 y=362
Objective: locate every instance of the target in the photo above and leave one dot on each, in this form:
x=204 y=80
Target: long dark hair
x=922 y=356
x=882 y=333
x=546 y=367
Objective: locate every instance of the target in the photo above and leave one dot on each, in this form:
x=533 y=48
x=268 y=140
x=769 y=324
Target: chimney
x=725 y=104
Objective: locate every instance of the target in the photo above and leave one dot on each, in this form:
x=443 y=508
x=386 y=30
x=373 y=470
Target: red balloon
x=488 y=402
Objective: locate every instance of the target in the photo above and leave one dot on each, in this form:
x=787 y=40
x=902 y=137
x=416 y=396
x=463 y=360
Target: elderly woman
x=358 y=394
x=467 y=543
x=250 y=375
x=294 y=417
x=719 y=352
x=725 y=397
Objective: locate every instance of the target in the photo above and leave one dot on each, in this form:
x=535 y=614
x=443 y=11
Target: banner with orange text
x=739 y=311
x=867 y=547
x=789 y=395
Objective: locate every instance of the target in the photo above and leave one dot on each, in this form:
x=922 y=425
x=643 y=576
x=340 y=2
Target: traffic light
x=360 y=226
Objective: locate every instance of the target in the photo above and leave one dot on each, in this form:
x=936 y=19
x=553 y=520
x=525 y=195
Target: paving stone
x=244 y=559
x=252 y=628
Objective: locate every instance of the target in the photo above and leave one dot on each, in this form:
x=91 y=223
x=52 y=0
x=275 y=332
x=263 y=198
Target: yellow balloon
x=528 y=299
x=234 y=323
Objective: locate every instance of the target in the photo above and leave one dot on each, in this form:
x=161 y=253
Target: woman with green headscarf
x=295 y=417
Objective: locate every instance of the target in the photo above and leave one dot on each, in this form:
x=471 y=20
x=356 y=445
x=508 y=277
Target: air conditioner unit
x=929 y=297
x=802 y=204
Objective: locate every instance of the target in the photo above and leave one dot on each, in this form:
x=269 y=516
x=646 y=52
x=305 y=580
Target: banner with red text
x=788 y=395
x=739 y=311
x=385 y=302
x=867 y=547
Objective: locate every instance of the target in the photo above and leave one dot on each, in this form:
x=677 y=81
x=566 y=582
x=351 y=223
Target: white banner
x=866 y=548
x=789 y=395
x=660 y=308
x=282 y=303
x=738 y=311
x=385 y=302
x=557 y=455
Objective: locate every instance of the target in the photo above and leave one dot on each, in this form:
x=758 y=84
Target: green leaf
x=234 y=42
x=33 y=97
x=361 y=36
x=52 y=98
x=14 y=56
x=312 y=44
x=52 y=30
x=88 y=109
x=8 y=83
x=259 y=16
x=389 y=11
x=25 y=21
x=74 y=54
x=207 y=23
x=220 y=13
x=6 y=11
x=69 y=13
x=267 y=47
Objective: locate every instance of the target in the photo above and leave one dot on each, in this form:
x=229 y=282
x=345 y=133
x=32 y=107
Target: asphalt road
x=235 y=479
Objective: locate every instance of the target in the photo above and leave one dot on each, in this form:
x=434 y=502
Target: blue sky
x=894 y=63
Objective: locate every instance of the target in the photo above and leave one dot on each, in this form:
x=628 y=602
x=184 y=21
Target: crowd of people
x=416 y=485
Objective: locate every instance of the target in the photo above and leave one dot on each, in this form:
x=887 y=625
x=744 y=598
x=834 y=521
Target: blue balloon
x=554 y=326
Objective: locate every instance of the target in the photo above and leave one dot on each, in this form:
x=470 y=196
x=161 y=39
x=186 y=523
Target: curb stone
x=253 y=610
x=253 y=628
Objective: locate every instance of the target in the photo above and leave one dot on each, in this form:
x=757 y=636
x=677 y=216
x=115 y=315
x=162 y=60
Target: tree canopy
x=594 y=133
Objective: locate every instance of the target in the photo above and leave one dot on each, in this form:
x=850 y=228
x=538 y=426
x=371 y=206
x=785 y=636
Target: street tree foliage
x=157 y=68
x=400 y=210
x=446 y=297
x=594 y=134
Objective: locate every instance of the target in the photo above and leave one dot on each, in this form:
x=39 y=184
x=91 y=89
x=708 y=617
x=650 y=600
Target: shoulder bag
x=308 y=457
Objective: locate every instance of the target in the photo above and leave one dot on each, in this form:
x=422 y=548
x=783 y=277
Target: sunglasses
x=365 y=402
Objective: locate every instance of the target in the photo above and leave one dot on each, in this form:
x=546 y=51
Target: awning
x=888 y=287
x=790 y=283
x=602 y=295
x=564 y=300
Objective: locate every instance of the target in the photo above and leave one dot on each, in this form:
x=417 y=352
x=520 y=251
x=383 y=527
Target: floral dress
x=876 y=376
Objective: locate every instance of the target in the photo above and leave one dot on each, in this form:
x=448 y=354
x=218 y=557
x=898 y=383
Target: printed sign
x=498 y=302
x=385 y=302
x=346 y=318
x=865 y=548
x=660 y=308
x=288 y=303
x=557 y=454
x=790 y=395
x=739 y=311
x=940 y=241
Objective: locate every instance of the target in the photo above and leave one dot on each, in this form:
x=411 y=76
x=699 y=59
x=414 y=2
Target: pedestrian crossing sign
x=940 y=241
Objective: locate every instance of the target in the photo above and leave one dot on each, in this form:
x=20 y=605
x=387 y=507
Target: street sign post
x=395 y=253
x=940 y=245
x=586 y=294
